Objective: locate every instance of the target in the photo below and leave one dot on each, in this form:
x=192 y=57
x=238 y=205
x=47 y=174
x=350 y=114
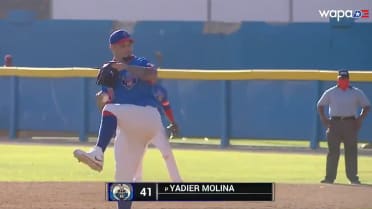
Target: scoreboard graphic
x=190 y=191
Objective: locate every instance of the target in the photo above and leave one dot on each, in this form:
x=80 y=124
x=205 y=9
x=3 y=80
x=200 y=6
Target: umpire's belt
x=343 y=118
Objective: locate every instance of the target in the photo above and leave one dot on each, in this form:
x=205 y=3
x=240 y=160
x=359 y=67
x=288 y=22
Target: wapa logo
x=338 y=14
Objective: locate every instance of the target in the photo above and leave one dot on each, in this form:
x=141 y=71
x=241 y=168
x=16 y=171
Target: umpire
x=343 y=125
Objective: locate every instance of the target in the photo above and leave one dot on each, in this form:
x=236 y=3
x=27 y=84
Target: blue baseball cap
x=120 y=36
x=343 y=74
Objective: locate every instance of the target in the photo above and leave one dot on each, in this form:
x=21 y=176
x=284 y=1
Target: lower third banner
x=190 y=191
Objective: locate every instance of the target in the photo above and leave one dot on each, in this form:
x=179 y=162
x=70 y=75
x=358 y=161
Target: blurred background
x=188 y=33
x=184 y=34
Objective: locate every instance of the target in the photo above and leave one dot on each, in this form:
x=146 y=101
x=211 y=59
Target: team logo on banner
x=120 y=192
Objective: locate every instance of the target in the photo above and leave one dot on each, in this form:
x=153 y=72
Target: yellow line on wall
x=193 y=74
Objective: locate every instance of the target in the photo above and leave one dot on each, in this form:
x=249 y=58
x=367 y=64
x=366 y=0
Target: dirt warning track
x=48 y=195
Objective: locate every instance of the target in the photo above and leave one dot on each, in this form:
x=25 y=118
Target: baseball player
x=343 y=124
x=133 y=110
x=8 y=60
x=162 y=144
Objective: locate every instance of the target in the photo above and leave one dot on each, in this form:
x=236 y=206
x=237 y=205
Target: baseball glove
x=107 y=75
x=173 y=130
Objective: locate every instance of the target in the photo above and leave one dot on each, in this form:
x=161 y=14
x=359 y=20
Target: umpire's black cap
x=343 y=74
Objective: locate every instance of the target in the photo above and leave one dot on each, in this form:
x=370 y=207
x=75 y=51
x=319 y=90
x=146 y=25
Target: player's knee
x=107 y=113
x=106 y=107
x=107 y=110
x=166 y=156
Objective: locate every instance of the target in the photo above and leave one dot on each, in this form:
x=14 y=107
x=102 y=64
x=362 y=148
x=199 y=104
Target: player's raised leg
x=94 y=158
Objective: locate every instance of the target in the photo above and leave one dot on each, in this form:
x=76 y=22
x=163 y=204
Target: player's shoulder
x=356 y=90
x=141 y=60
x=332 y=89
x=107 y=64
x=159 y=87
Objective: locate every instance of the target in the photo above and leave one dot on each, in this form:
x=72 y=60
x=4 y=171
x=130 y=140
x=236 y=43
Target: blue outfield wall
x=5 y=104
x=259 y=45
x=255 y=109
x=56 y=43
x=49 y=104
x=249 y=109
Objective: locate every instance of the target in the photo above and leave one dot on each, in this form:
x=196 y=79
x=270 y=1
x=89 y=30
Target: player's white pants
x=162 y=143
x=137 y=126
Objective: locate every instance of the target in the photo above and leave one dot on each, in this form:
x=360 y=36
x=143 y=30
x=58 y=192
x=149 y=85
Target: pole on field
x=225 y=117
x=13 y=117
x=314 y=141
x=83 y=137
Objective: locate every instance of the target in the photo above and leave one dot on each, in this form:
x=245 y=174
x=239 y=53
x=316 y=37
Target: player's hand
x=359 y=122
x=110 y=92
x=119 y=66
x=102 y=98
x=173 y=130
x=326 y=122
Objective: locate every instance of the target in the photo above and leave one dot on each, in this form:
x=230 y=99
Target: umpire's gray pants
x=342 y=131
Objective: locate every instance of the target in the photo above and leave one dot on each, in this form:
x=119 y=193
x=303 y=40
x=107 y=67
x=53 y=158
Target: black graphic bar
x=190 y=191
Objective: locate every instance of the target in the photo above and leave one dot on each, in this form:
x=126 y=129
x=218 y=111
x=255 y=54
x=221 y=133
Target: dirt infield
x=91 y=196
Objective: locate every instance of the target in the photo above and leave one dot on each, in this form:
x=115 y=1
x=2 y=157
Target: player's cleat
x=367 y=146
x=93 y=158
x=355 y=182
x=326 y=181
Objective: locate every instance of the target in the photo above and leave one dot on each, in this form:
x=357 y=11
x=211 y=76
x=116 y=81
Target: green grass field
x=251 y=142
x=215 y=141
x=56 y=163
